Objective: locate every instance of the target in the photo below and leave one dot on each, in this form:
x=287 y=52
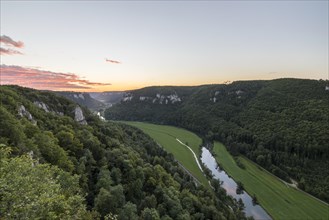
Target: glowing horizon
x=130 y=45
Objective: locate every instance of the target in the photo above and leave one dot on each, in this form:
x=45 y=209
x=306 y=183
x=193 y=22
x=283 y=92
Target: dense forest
x=59 y=161
x=283 y=124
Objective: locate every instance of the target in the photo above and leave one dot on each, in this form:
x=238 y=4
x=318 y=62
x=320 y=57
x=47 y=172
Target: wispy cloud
x=42 y=79
x=113 y=61
x=4 y=51
x=10 y=43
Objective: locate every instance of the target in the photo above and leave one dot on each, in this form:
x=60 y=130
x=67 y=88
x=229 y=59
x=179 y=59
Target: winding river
x=230 y=186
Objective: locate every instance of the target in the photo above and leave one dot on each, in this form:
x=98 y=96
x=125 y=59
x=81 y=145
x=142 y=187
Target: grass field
x=279 y=200
x=166 y=137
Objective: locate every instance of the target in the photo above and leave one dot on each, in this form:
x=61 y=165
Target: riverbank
x=281 y=201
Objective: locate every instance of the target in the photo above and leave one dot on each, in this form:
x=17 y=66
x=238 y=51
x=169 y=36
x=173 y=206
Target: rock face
x=127 y=97
x=100 y=116
x=46 y=108
x=237 y=93
x=158 y=99
x=41 y=105
x=78 y=115
x=25 y=113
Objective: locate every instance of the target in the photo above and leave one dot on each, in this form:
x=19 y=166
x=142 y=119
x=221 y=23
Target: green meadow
x=166 y=137
x=279 y=200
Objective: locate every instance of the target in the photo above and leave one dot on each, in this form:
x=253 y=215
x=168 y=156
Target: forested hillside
x=282 y=124
x=59 y=161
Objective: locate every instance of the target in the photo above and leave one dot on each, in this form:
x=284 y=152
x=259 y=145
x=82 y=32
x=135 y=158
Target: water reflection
x=230 y=186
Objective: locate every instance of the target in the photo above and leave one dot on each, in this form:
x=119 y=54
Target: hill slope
x=84 y=99
x=281 y=124
x=81 y=163
x=109 y=98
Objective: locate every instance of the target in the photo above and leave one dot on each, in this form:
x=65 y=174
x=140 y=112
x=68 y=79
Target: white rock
x=101 y=117
x=125 y=99
x=81 y=96
x=23 y=112
x=78 y=115
x=174 y=98
x=238 y=92
x=41 y=105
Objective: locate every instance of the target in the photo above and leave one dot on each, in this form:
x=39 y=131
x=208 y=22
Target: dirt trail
x=196 y=158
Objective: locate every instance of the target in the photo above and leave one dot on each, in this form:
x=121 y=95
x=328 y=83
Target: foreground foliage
x=30 y=190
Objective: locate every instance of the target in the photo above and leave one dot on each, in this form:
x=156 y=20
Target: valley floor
x=280 y=200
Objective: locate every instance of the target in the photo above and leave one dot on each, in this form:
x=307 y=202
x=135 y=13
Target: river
x=230 y=186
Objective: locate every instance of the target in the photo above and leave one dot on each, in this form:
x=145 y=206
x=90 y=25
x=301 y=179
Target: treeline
x=65 y=170
x=280 y=124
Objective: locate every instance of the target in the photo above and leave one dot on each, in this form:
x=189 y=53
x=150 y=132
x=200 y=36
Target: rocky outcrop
x=78 y=116
x=41 y=105
x=127 y=97
x=100 y=116
x=161 y=99
x=237 y=93
x=23 y=112
x=79 y=96
x=46 y=108
x=174 y=98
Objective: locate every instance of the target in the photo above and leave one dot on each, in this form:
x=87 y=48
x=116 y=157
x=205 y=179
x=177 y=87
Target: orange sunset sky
x=112 y=45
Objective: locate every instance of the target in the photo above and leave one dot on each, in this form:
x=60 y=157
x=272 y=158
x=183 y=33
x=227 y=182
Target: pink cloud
x=113 y=61
x=4 y=51
x=10 y=42
x=41 y=79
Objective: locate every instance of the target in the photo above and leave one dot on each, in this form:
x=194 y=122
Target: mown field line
x=196 y=159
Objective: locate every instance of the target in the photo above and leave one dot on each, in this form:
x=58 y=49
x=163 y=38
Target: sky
x=122 y=45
